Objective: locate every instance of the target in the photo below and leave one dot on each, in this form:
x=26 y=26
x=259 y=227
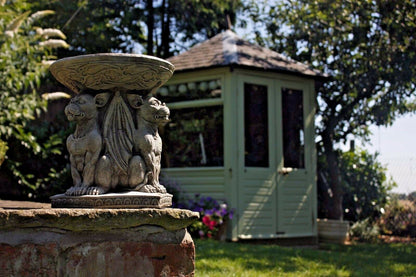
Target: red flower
x=206 y=220
x=212 y=224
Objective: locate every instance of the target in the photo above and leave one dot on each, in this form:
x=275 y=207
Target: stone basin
x=112 y=71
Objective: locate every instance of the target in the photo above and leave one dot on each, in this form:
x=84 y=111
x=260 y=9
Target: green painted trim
x=195 y=103
x=183 y=77
x=192 y=169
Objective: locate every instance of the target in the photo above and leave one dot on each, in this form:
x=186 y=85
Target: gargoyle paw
x=95 y=191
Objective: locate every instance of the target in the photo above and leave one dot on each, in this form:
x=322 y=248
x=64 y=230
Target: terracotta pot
x=333 y=231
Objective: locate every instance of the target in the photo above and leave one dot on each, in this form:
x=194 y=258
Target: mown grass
x=215 y=258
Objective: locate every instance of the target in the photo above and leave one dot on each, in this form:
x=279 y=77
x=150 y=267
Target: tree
x=161 y=28
x=94 y=26
x=25 y=52
x=412 y=196
x=369 y=50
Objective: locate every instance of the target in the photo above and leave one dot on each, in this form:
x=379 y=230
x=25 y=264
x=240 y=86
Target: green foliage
x=248 y=259
x=3 y=150
x=24 y=52
x=159 y=28
x=412 y=196
x=365 y=185
x=399 y=218
x=207 y=18
x=93 y=26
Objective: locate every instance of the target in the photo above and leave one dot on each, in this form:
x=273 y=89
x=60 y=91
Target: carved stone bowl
x=112 y=71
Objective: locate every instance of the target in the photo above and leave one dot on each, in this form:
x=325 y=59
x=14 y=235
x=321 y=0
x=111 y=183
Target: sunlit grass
x=215 y=258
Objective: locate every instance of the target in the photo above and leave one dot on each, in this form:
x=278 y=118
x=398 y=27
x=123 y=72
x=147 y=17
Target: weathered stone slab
x=131 y=199
x=96 y=219
x=21 y=205
x=99 y=242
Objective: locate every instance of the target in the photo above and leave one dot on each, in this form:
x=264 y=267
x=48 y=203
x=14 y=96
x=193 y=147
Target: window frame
x=198 y=103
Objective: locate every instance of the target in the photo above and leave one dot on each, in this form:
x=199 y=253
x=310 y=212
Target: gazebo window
x=256 y=137
x=194 y=137
x=293 y=128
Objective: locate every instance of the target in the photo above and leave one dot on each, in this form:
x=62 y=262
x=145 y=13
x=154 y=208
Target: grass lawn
x=215 y=258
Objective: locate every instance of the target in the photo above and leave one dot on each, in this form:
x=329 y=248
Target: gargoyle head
x=81 y=107
x=154 y=111
x=84 y=106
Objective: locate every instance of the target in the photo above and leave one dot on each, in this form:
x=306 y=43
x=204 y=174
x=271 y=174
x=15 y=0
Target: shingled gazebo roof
x=227 y=49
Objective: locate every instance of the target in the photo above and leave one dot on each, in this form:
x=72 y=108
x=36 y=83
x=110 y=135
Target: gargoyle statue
x=84 y=145
x=147 y=142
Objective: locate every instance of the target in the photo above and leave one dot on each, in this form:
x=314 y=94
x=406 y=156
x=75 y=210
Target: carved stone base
x=128 y=200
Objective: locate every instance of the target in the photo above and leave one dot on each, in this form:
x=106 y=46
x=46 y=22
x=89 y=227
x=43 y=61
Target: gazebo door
x=257 y=162
x=275 y=180
x=296 y=189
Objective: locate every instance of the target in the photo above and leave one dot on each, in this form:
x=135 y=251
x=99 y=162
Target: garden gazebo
x=242 y=130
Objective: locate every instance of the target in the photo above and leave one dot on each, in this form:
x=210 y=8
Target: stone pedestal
x=96 y=242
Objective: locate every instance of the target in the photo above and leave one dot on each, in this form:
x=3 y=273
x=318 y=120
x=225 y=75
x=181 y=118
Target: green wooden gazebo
x=242 y=130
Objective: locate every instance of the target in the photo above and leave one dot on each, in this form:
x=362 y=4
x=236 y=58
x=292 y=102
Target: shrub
x=399 y=218
x=365 y=231
x=32 y=153
x=364 y=183
x=366 y=186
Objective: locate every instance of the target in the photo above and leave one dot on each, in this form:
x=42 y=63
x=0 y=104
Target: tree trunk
x=150 y=26
x=335 y=211
x=165 y=38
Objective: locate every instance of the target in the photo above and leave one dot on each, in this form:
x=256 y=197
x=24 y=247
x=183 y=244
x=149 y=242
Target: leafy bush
x=365 y=186
x=399 y=218
x=3 y=150
x=365 y=231
x=31 y=151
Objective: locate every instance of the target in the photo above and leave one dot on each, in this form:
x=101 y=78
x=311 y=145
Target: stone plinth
x=96 y=242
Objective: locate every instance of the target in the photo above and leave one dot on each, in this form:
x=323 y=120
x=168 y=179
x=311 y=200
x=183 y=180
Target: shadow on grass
x=329 y=260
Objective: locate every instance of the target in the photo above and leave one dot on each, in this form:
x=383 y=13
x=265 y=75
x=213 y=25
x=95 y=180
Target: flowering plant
x=213 y=214
x=213 y=217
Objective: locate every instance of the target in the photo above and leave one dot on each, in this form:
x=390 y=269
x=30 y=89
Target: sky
x=397 y=148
